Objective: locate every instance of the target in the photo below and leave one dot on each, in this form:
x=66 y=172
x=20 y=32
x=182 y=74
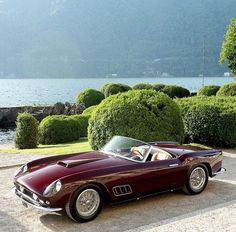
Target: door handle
x=173 y=165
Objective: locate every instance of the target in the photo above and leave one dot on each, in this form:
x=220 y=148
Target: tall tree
x=228 y=52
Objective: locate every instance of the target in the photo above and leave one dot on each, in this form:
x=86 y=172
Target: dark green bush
x=208 y=90
x=26 y=135
x=90 y=97
x=227 y=90
x=192 y=94
x=142 y=114
x=89 y=110
x=82 y=120
x=209 y=120
x=58 y=129
x=143 y=86
x=114 y=88
x=158 y=87
x=174 y=91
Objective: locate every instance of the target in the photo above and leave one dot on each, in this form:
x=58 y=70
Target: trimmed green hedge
x=209 y=120
x=142 y=114
x=114 y=88
x=227 y=90
x=26 y=134
x=143 y=86
x=89 y=110
x=90 y=97
x=82 y=121
x=61 y=128
x=175 y=91
x=208 y=90
x=58 y=129
x=158 y=87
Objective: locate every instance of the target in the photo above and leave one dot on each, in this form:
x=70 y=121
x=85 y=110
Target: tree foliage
x=228 y=52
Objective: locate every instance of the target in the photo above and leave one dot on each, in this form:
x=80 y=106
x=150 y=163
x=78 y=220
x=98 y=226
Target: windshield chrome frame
x=123 y=157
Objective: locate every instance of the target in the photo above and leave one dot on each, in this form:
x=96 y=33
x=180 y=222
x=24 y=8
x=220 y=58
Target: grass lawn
x=65 y=148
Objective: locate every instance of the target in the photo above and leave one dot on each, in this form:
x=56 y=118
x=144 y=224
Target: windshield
x=127 y=148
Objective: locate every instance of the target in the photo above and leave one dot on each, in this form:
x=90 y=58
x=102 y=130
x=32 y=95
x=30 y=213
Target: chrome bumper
x=222 y=170
x=27 y=201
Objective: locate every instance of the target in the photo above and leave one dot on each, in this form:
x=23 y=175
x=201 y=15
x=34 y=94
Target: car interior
x=139 y=154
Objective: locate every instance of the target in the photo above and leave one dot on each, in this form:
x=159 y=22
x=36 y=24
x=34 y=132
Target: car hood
x=41 y=174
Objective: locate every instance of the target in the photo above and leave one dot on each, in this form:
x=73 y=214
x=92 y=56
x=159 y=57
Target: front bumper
x=221 y=171
x=28 y=201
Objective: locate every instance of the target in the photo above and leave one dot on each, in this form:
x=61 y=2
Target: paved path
x=213 y=210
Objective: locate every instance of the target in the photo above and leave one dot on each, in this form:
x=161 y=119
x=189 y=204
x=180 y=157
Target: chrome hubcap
x=197 y=178
x=87 y=202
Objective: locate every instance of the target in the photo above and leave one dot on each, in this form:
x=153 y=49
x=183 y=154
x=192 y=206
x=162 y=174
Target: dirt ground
x=212 y=210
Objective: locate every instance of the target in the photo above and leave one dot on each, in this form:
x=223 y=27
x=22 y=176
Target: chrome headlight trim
x=21 y=170
x=52 y=189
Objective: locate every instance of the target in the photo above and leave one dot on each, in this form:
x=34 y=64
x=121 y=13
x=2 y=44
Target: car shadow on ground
x=146 y=211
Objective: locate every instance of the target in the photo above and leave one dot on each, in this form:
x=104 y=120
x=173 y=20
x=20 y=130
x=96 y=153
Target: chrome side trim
x=30 y=202
x=222 y=170
x=173 y=165
x=122 y=190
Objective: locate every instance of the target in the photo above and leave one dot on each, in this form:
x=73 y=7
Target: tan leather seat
x=160 y=156
x=140 y=150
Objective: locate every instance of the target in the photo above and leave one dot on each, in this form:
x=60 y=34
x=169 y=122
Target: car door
x=163 y=174
x=145 y=178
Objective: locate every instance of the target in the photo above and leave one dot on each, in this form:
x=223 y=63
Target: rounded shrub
x=208 y=90
x=90 y=97
x=158 y=87
x=58 y=129
x=227 y=90
x=174 y=91
x=142 y=114
x=82 y=121
x=26 y=135
x=143 y=86
x=114 y=88
x=209 y=120
x=89 y=110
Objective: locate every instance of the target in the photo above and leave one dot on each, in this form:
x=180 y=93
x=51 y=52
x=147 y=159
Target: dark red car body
x=120 y=179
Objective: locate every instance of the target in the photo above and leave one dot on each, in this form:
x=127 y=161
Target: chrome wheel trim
x=87 y=203
x=197 y=179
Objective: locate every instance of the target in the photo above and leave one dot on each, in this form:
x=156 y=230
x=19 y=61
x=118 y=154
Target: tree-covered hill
x=97 y=38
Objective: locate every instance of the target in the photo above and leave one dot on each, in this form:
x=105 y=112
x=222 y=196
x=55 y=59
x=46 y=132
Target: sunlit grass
x=65 y=148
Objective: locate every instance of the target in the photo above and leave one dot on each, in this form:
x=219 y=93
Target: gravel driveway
x=213 y=210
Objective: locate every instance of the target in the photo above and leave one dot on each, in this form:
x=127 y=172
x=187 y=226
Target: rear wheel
x=86 y=204
x=197 y=180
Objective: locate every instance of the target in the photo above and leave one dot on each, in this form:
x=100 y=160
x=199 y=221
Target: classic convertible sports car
x=122 y=170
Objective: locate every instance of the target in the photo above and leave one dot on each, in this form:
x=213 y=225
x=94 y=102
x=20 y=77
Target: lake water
x=19 y=92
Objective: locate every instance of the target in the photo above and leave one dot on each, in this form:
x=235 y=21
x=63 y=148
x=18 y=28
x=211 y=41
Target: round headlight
x=24 y=169
x=53 y=188
x=58 y=185
x=21 y=170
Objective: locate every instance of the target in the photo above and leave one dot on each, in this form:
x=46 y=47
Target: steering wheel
x=137 y=153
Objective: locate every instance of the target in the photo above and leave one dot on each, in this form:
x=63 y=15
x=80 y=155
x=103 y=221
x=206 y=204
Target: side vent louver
x=122 y=190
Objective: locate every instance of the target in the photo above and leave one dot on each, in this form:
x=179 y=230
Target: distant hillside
x=97 y=38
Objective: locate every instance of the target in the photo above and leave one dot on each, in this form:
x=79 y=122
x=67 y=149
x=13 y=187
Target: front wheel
x=86 y=204
x=197 y=180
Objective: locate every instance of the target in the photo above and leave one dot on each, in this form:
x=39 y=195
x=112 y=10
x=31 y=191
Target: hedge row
x=209 y=120
x=114 y=88
x=60 y=128
x=90 y=97
x=208 y=90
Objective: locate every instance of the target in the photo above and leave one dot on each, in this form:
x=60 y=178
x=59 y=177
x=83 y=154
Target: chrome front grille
x=25 y=194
